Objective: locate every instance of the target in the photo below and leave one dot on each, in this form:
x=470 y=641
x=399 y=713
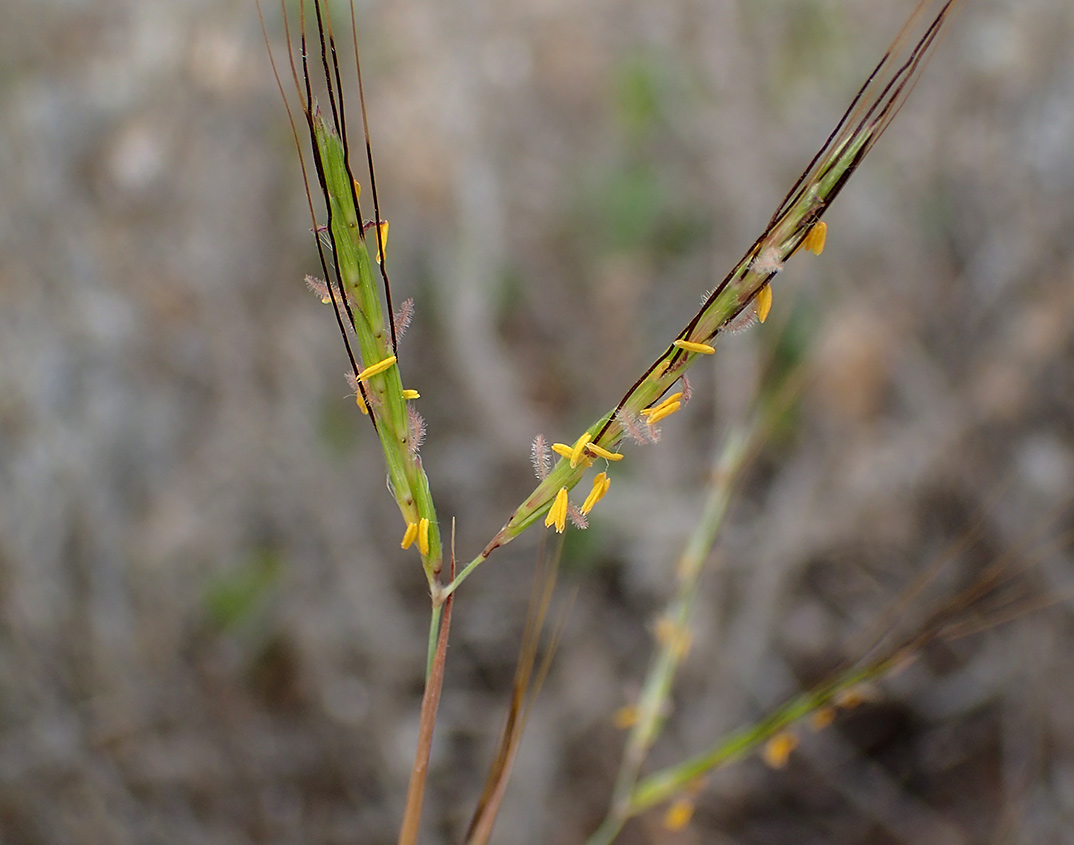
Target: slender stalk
x=442 y=593
x=434 y=638
x=666 y=783
x=434 y=682
x=673 y=633
x=527 y=683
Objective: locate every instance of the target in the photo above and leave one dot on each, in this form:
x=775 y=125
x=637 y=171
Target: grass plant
x=354 y=259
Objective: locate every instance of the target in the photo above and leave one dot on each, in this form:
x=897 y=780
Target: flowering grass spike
x=362 y=303
x=796 y=222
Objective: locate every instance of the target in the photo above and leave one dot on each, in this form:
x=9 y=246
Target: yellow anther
x=777 y=751
x=681 y=646
x=763 y=302
x=661 y=368
x=690 y=346
x=600 y=486
x=664 y=410
x=357 y=189
x=578 y=450
x=423 y=536
x=409 y=535
x=678 y=814
x=672 y=399
x=822 y=717
x=376 y=368
x=382 y=240
x=565 y=451
x=850 y=698
x=814 y=239
x=557 y=514
x=625 y=717
x=411 y=394
x=601 y=452
x=361 y=403
x=670 y=635
x=664 y=630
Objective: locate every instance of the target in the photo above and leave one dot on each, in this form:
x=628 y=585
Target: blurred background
x=208 y=633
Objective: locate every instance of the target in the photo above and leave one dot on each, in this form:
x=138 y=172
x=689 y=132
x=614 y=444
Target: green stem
x=666 y=783
x=434 y=632
x=656 y=691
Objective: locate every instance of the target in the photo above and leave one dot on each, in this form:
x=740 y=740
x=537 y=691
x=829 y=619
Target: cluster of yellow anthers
x=373 y=370
x=582 y=452
x=769 y=262
x=670 y=405
x=776 y=752
x=557 y=514
x=813 y=242
x=417 y=531
x=779 y=747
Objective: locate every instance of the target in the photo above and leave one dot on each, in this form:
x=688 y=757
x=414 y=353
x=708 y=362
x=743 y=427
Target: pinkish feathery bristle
x=318 y=287
x=403 y=316
x=540 y=457
x=416 y=424
x=744 y=319
x=636 y=428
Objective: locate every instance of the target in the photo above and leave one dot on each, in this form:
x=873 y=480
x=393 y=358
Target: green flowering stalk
x=743 y=295
x=379 y=385
x=362 y=306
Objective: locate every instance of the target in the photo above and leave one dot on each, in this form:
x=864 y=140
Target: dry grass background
x=207 y=632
